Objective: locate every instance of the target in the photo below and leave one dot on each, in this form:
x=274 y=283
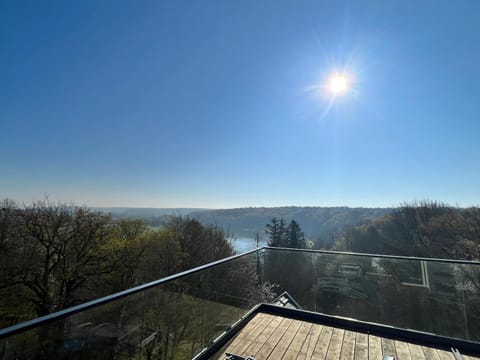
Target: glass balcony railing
x=178 y=316
x=175 y=317
x=430 y=295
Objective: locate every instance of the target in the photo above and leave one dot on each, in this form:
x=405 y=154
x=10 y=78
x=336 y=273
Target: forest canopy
x=53 y=256
x=426 y=228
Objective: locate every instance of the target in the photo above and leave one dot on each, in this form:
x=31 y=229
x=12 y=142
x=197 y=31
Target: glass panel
x=437 y=297
x=175 y=320
x=291 y=271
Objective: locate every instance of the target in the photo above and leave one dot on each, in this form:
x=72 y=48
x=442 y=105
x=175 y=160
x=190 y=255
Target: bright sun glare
x=338 y=83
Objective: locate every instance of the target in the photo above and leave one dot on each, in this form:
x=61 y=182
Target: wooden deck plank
x=298 y=341
x=281 y=348
x=374 y=347
x=416 y=352
x=445 y=355
x=361 y=346
x=270 y=337
x=267 y=347
x=430 y=353
x=323 y=343
x=402 y=350
x=310 y=342
x=261 y=339
x=388 y=347
x=255 y=321
x=348 y=346
x=335 y=347
x=247 y=337
x=247 y=334
x=301 y=336
x=470 y=357
x=269 y=330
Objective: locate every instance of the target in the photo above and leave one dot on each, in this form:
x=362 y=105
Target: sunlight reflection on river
x=243 y=244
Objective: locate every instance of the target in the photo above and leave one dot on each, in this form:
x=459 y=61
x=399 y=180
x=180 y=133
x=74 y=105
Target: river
x=243 y=244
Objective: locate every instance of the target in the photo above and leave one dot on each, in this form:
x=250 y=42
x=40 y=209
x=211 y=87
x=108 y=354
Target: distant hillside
x=126 y=212
x=152 y=216
x=321 y=224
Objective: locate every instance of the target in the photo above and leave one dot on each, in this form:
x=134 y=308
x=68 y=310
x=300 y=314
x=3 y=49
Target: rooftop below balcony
x=272 y=337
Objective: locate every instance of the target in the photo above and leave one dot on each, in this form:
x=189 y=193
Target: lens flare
x=338 y=84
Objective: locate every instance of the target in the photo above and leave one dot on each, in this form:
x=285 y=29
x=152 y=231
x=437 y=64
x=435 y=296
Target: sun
x=338 y=84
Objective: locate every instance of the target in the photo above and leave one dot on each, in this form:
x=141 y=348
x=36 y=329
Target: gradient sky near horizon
x=216 y=103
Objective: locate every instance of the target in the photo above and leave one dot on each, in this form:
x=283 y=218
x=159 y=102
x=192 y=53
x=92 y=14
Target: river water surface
x=243 y=244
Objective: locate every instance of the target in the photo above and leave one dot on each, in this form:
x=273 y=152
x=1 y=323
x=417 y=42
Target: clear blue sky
x=210 y=103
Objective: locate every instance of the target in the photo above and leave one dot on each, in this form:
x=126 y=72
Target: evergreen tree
x=276 y=232
x=295 y=236
x=281 y=235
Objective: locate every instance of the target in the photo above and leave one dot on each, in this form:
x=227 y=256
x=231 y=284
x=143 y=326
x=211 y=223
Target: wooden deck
x=269 y=337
